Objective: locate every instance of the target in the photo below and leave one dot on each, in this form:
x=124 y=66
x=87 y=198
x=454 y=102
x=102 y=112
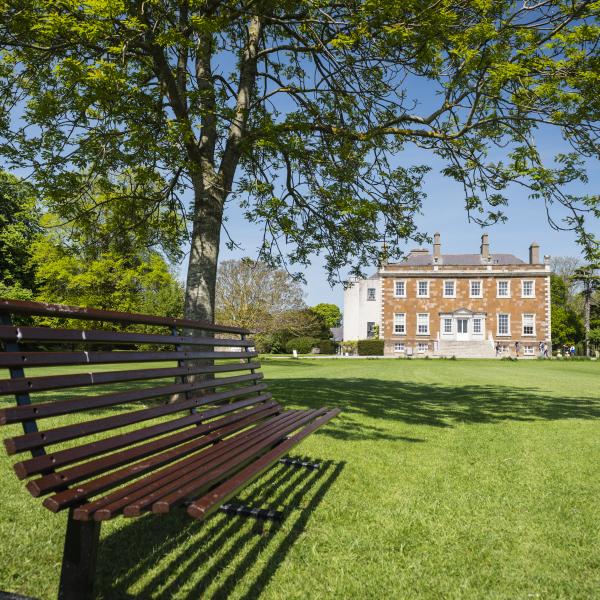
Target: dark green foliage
x=302 y=344
x=326 y=347
x=19 y=228
x=370 y=347
x=567 y=324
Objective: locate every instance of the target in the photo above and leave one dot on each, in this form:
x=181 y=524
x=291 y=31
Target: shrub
x=370 y=347
x=326 y=347
x=348 y=346
x=302 y=344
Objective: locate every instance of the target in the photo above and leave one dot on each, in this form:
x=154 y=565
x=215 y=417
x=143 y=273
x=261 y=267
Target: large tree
x=305 y=113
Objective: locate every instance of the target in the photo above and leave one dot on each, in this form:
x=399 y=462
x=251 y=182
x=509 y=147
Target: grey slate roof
x=337 y=333
x=420 y=260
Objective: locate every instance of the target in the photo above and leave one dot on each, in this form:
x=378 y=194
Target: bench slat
x=42 y=359
x=194 y=481
x=204 y=506
x=47 y=437
x=163 y=451
x=100 y=336
x=108 y=506
x=55 y=382
x=158 y=484
x=64 y=407
x=25 y=307
x=61 y=458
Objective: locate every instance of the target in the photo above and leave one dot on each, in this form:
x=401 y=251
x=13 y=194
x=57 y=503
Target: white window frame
x=399 y=347
x=422 y=347
x=507 y=315
x=531 y=324
x=444 y=321
x=374 y=298
x=480 y=321
x=403 y=323
x=498 y=282
x=453 y=282
x=471 y=282
x=528 y=350
x=419 y=324
x=419 y=282
x=396 y=281
x=532 y=295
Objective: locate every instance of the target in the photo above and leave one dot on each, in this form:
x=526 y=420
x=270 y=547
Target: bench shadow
x=422 y=404
x=172 y=556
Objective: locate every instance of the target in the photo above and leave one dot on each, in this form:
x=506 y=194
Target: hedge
x=326 y=347
x=302 y=344
x=370 y=347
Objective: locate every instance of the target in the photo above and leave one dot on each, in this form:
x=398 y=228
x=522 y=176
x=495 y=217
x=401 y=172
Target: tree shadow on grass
x=171 y=555
x=419 y=404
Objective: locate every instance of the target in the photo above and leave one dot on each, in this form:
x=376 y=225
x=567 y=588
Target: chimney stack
x=437 y=246
x=534 y=254
x=485 y=248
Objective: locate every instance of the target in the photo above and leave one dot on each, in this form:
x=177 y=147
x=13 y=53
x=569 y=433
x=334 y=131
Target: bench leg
x=79 y=559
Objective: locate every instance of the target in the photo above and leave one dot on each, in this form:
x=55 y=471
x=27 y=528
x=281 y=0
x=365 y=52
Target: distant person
x=572 y=350
x=517 y=348
x=545 y=350
x=497 y=349
x=541 y=348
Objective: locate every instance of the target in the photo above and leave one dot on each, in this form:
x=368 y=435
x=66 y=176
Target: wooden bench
x=189 y=434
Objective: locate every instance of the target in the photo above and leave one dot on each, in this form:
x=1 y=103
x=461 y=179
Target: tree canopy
x=302 y=114
x=330 y=313
x=19 y=228
x=104 y=266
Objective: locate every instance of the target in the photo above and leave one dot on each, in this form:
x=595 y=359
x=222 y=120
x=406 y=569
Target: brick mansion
x=454 y=304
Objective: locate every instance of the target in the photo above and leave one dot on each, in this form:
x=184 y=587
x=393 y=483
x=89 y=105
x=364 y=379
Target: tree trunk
x=204 y=253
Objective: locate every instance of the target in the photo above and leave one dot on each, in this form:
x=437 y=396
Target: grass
x=442 y=479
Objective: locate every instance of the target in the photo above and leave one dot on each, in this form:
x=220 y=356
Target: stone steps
x=468 y=349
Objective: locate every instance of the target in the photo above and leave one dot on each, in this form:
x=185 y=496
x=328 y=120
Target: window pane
x=503 y=324
x=370 y=293
x=476 y=325
x=528 y=324
x=475 y=288
x=503 y=288
x=370 y=329
x=528 y=288
x=447 y=325
x=423 y=286
x=399 y=323
x=399 y=291
x=449 y=288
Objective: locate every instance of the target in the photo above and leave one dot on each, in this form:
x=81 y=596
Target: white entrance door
x=462 y=329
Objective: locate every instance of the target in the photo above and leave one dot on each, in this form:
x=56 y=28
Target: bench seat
x=144 y=437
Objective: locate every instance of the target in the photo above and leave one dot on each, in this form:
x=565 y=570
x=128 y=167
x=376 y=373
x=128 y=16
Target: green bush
x=302 y=344
x=326 y=347
x=370 y=347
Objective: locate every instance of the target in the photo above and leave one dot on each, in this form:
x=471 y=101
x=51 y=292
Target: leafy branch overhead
x=305 y=115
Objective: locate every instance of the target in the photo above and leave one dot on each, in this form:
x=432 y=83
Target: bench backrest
x=209 y=383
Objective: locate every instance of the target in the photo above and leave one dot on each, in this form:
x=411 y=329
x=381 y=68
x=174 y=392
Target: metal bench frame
x=207 y=446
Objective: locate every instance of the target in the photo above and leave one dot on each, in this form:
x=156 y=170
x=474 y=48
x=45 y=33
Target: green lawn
x=442 y=479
